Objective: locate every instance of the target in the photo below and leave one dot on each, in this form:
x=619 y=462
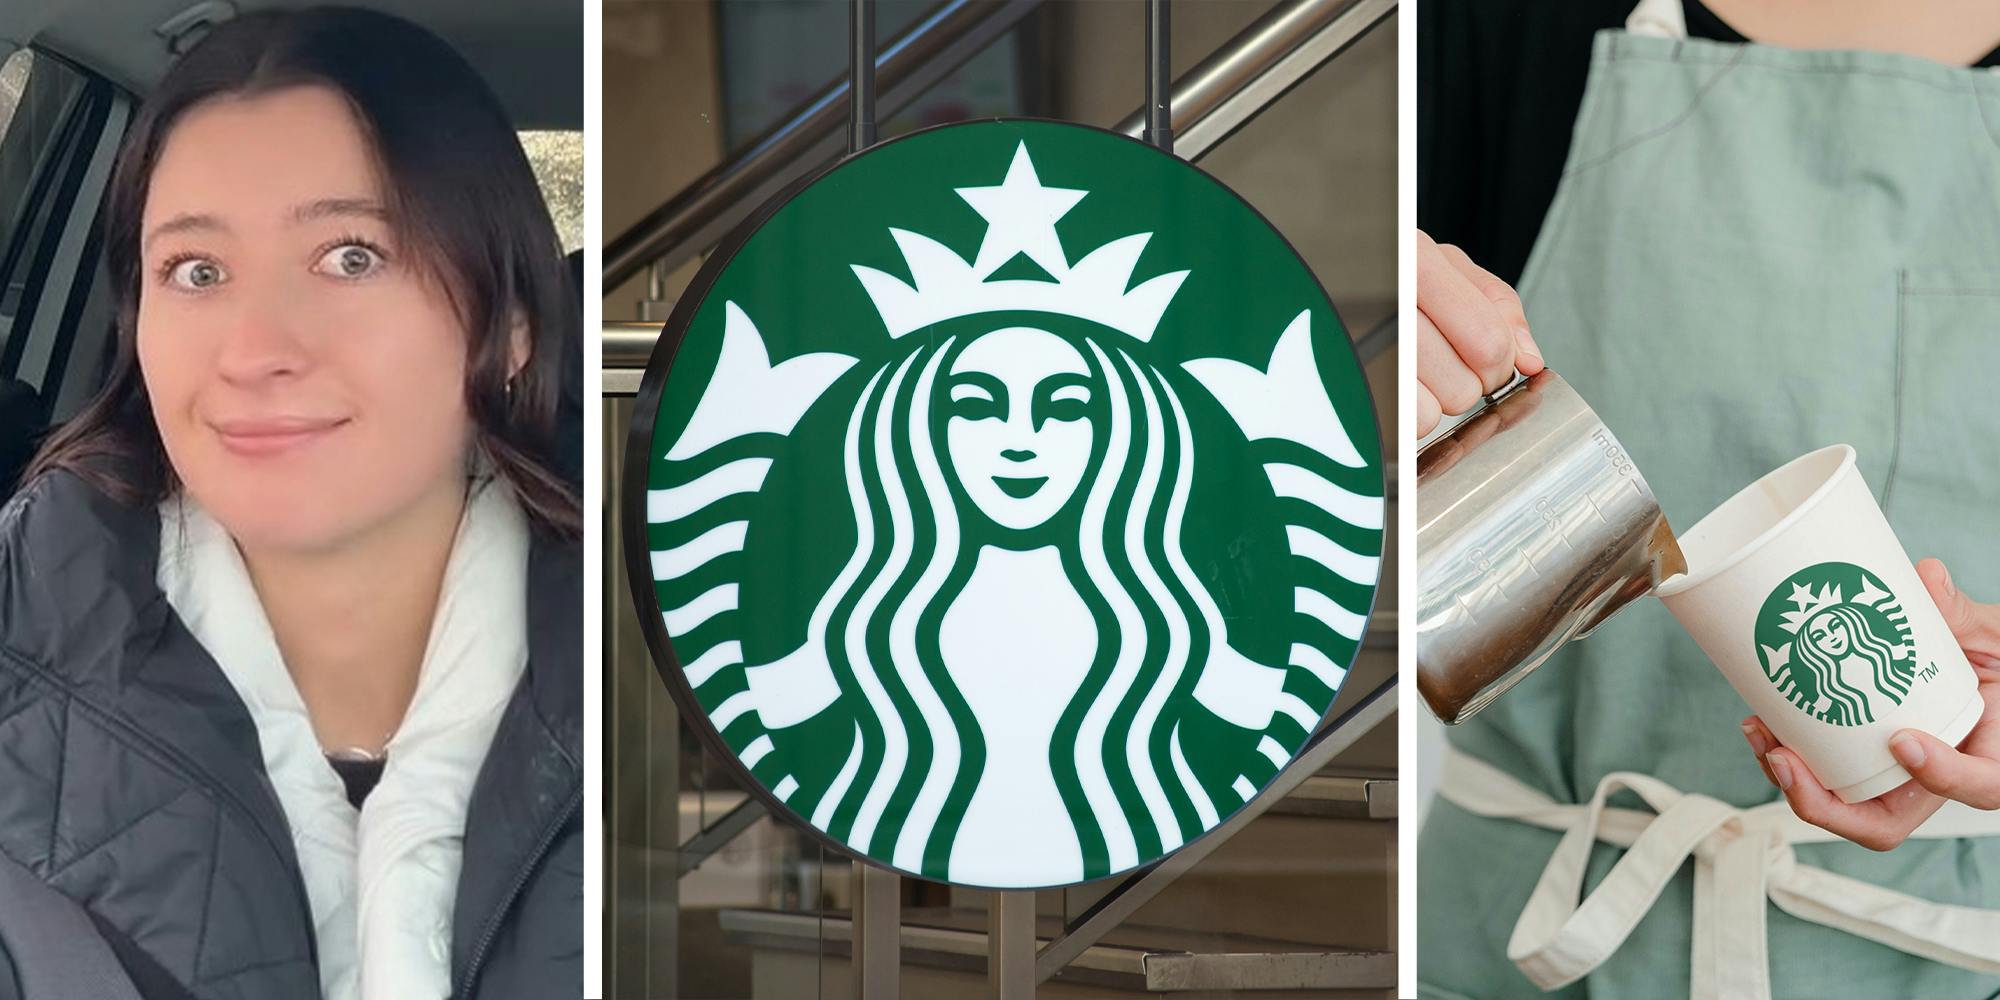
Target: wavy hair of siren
x=879 y=624
x=1862 y=642
x=461 y=195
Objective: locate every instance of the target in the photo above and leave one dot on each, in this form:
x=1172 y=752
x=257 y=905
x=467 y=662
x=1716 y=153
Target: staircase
x=1295 y=905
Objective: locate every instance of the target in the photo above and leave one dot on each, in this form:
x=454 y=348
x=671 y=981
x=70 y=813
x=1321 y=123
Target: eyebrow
x=323 y=208
x=183 y=223
x=334 y=207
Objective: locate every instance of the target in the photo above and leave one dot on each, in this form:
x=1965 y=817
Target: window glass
x=558 y=161
x=35 y=94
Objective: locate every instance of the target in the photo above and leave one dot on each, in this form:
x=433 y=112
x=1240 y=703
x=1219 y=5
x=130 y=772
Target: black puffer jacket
x=131 y=779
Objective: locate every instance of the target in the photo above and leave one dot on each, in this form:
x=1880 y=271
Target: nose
x=1017 y=454
x=261 y=341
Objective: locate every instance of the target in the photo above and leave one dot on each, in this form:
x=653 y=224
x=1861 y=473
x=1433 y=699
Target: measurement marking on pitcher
x=1464 y=608
x=1545 y=508
x=1531 y=563
x=1599 y=511
x=1619 y=462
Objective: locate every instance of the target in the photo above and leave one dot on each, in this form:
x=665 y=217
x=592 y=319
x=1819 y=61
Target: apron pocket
x=1943 y=488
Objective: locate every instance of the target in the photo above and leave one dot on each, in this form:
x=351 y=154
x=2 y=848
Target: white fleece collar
x=381 y=881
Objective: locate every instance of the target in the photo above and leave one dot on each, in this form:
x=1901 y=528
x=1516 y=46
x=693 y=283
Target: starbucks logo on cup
x=1837 y=643
x=1007 y=506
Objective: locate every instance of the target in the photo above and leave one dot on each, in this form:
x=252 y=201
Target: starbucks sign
x=1837 y=643
x=1007 y=502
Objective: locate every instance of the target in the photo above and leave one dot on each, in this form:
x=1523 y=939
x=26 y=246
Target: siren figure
x=1846 y=654
x=1018 y=634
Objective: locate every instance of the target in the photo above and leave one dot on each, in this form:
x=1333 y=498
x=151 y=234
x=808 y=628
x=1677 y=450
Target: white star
x=1869 y=595
x=1802 y=595
x=1021 y=217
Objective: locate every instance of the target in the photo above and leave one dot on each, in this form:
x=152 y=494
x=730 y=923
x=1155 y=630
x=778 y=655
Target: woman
x=1731 y=216
x=1848 y=660
x=1016 y=460
x=289 y=615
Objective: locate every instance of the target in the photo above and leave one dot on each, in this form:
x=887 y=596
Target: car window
x=558 y=161
x=36 y=93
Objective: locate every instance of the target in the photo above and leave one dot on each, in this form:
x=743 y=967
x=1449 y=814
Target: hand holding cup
x=1969 y=773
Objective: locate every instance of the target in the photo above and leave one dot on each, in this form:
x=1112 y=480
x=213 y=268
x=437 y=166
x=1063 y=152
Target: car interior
x=72 y=73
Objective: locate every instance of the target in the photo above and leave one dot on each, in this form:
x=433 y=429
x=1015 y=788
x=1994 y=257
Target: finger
x=1761 y=743
x=1972 y=780
x=1877 y=824
x=1428 y=410
x=1440 y=369
x=1527 y=356
x=1471 y=324
x=1976 y=626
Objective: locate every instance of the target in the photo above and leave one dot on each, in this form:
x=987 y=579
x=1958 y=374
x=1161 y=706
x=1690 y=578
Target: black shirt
x=1499 y=83
x=360 y=776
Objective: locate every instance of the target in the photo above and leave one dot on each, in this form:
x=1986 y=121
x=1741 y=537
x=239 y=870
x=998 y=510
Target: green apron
x=1753 y=252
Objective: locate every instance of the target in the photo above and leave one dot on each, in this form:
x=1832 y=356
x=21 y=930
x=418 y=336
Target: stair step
x=1325 y=970
x=1342 y=797
x=1158 y=960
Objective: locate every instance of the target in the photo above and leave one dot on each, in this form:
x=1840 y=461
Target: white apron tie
x=1742 y=857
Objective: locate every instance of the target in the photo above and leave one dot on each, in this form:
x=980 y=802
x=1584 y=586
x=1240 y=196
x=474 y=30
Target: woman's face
x=1019 y=434
x=307 y=377
x=1829 y=633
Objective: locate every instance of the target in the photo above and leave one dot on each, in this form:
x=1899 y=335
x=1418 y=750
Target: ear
x=517 y=343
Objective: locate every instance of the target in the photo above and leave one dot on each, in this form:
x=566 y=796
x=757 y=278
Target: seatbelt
x=56 y=949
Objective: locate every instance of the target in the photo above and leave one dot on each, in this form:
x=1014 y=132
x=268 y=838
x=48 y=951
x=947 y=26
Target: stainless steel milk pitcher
x=1533 y=527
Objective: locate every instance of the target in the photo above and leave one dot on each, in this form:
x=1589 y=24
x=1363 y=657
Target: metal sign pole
x=1159 y=78
x=1010 y=946
x=878 y=933
x=878 y=903
x=861 y=91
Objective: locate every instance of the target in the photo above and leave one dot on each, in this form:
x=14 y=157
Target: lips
x=1020 y=488
x=264 y=436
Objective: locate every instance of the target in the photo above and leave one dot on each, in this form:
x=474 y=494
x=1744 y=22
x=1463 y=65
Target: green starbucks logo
x=1011 y=504
x=1837 y=643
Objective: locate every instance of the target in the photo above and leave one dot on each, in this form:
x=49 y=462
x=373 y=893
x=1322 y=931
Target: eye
x=973 y=401
x=350 y=261
x=1068 y=402
x=194 y=274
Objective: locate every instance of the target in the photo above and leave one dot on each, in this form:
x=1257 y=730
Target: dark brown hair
x=460 y=195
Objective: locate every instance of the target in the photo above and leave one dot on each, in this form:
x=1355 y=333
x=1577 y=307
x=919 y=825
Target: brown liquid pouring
x=1518 y=650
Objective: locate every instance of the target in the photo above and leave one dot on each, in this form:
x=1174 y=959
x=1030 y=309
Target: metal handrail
x=1367 y=347
x=1210 y=102
x=1225 y=91
x=695 y=219
x=629 y=344
x=717 y=835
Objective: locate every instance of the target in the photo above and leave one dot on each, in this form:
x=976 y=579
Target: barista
x=1751 y=247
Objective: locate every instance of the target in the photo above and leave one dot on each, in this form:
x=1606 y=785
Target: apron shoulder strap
x=54 y=946
x=1658 y=18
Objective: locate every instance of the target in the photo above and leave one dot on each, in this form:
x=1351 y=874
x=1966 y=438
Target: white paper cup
x=1804 y=598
